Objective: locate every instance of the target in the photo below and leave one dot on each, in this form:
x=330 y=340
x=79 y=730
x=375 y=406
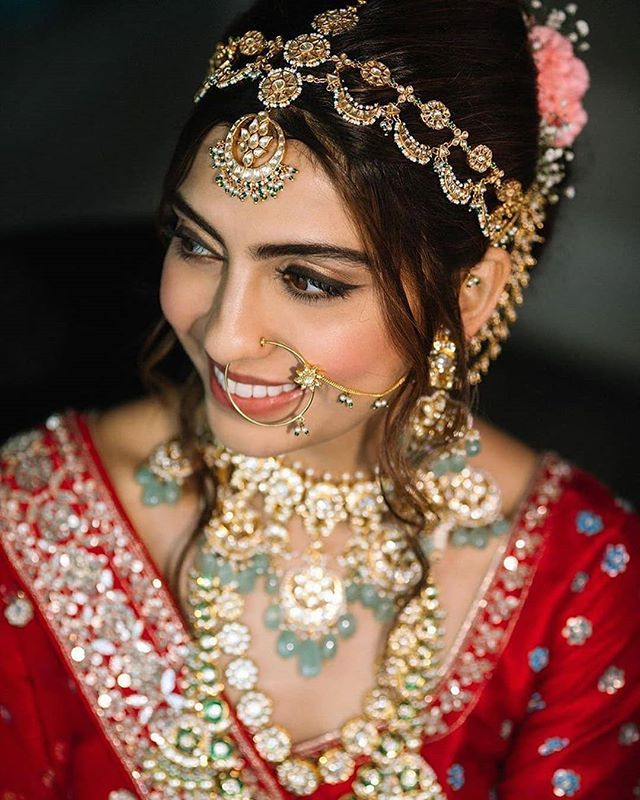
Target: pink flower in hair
x=562 y=81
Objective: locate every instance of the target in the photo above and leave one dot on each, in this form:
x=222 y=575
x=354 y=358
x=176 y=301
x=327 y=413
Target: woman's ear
x=482 y=287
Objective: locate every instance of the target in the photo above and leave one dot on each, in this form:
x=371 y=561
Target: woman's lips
x=253 y=406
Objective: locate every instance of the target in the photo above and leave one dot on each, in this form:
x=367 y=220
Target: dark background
x=93 y=96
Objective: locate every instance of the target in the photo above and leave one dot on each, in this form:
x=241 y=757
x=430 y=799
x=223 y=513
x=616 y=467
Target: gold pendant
x=250 y=158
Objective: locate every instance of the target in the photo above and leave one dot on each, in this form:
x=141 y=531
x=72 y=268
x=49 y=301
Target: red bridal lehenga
x=538 y=698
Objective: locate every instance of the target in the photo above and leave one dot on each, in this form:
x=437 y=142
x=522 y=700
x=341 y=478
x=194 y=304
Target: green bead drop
x=386 y=610
x=272 y=584
x=247 y=580
x=457 y=463
x=150 y=496
x=369 y=596
x=500 y=526
x=171 y=492
x=287 y=644
x=261 y=563
x=207 y=564
x=478 y=538
x=226 y=573
x=309 y=658
x=273 y=617
x=353 y=592
x=440 y=467
x=145 y=476
x=346 y=626
x=459 y=537
x=473 y=447
x=329 y=647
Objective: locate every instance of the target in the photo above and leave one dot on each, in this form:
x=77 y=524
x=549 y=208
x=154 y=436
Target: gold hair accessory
x=309 y=377
x=250 y=158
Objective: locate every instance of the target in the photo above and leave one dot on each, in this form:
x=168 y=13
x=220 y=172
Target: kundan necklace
x=194 y=751
x=192 y=746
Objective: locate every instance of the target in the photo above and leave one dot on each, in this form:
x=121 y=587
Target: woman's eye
x=190 y=247
x=310 y=288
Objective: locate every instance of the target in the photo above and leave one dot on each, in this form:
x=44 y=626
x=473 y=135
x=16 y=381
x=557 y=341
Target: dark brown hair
x=473 y=55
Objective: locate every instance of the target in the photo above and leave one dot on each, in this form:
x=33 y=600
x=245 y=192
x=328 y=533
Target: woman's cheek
x=359 y=353
x=182 y=298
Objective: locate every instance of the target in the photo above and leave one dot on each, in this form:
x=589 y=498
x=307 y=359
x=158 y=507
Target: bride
x=306 y=569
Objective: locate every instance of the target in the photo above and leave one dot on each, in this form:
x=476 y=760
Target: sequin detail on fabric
x=117 y=625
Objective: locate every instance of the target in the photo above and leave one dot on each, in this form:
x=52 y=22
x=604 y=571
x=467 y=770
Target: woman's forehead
x=308 y=207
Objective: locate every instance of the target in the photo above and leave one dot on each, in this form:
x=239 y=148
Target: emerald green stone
x=171 y=492
x=353 y=592
x=210 y=674
x=287 y=644
x=369 y=596
x=478 y=537
x=207 y=564
x=247 y=580
x=459 y=537
x=386 y=610
x=186 y=740
x=261 y=563
x=457 y=463
x=473 y=447
x=440 y=467
x=145 y=476
x=226 y=573
x=272 y=584
x=150 y=496
x=329 y=647
x=220 y=749
x=346 y=625
x=309 y=658
x=273 y=617
x=214 y=710
x=500 y=526
x=230 y=786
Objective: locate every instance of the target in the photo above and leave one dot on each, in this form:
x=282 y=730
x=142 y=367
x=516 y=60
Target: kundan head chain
x=250 y=160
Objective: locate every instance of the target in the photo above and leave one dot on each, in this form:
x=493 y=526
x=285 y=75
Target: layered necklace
x=246 y=540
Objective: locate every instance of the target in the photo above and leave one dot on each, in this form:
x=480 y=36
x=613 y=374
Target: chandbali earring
x=309 y=377
x=464 y=501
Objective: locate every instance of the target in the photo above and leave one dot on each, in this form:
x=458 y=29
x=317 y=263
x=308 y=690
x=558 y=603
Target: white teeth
x=242 y=389
x=252 y=390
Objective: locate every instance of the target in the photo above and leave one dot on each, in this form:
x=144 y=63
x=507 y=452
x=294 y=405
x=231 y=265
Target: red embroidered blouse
x=539 y=697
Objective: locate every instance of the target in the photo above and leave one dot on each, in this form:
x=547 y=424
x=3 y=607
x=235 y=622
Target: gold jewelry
x=309 y=377
x=472 y=280
x=309 y=605
x=250 y=158
x=192 y=749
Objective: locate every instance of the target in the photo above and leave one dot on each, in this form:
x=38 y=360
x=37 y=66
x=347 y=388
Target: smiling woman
x=306 y=570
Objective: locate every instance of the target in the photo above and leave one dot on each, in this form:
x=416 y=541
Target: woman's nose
x=237 y=317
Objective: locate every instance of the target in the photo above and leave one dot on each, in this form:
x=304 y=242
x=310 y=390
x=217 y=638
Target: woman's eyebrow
x=264 y=251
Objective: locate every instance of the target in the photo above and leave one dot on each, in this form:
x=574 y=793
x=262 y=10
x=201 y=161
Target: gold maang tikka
x=309 y=377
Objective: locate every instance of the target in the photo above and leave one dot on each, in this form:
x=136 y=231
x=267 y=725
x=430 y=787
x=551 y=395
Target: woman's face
x=290 y=269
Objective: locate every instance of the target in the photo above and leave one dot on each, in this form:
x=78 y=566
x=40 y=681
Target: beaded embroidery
x=117 y=625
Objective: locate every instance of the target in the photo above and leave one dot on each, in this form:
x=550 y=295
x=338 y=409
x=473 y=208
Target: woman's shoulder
x=589 y=513
x=125 y=432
